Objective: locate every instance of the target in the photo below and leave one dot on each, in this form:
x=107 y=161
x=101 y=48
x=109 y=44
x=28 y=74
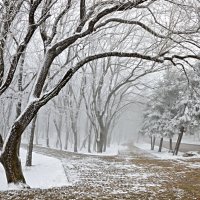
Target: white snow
x=113 y=150
x=46 y=172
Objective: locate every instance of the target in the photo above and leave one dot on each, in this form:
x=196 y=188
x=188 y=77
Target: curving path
x=132 y=175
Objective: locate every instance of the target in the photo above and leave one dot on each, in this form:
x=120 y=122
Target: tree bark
x=36 y=133
x=99 y=146
x=47 y=132
x=160 y=146
x=178 y=141
x=13 y=169
x=100 y=142
x=89 y=142
x=105 y=141
x=90 y=137
x=153 y=140
x=1 y=142
x=75 y=141
x=170 y=145
x=58 y=129
x=10 y=159
x=30 y=144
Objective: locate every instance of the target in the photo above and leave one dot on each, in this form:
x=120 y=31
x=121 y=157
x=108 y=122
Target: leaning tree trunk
x=9 y=157
x=30 y=144
x=178 y=141
x=160 y=146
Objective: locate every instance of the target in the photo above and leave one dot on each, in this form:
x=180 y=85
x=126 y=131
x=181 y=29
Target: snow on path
x=46 y=172
x=133 y=174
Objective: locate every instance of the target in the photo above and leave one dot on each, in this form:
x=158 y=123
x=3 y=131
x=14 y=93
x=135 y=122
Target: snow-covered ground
x=46 y=172
x=165 y=152
x=110 y=151
x=133 y=174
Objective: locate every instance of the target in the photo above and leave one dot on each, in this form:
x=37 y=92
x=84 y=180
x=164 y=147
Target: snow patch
x=46 y=172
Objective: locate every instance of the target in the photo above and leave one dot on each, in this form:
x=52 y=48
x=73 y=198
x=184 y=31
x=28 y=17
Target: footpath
x=132 y=174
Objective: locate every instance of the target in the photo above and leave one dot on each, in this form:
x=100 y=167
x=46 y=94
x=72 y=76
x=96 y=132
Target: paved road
x=183 y=147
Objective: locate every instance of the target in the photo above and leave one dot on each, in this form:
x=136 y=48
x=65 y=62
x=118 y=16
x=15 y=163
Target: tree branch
x=31 y=29
x=145 y=27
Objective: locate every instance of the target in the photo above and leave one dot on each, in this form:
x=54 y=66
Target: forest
x=83 y=75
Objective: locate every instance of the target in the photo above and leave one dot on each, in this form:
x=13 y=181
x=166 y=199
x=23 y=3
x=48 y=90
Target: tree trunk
x=36 y=135
x=66 y=140
x=90 y=137
x=58 y=129
x=100 y=142
x=10 y=159
x=20 y=90
x=153 y=140
x=89 y=142
x=160 y=146
x=105 y=141
x=67 y=132
x=1 y=142
x=99 y=146
x=178 y=141
x=109 y=139
x=18 y=111
x=30 y=144
x=75 y=134
x=75 y=141
x=95 y=141
x=13 y=169
x=170 y=145
x=47 y=132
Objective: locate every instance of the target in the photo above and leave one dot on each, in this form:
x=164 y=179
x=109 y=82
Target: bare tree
x=171 y=46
